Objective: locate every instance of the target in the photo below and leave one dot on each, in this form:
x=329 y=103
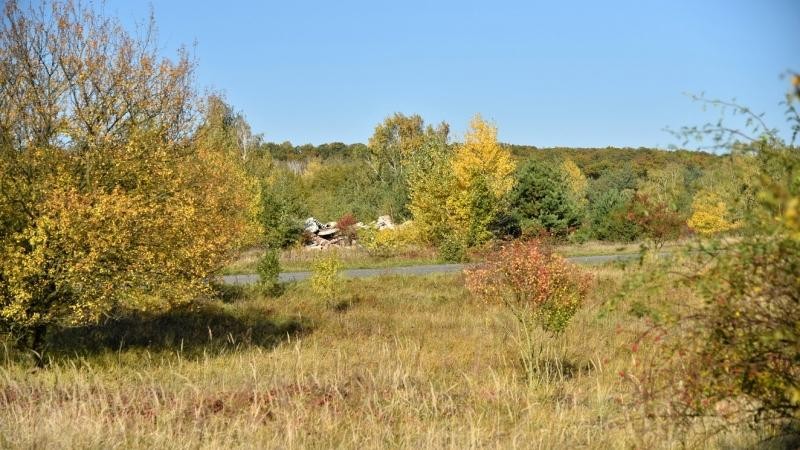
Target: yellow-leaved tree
x=710 y=214
x=484 y=174
x=576 y=181
x=430 y=182
x=112 y=199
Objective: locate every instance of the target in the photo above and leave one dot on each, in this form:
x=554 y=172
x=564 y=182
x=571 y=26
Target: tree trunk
x=37 y=344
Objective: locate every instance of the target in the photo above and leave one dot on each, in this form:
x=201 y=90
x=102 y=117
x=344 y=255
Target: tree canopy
x=113 y=199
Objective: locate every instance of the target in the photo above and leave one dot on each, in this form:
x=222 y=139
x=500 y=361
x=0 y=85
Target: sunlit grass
x=409 y=362
x=300 y=259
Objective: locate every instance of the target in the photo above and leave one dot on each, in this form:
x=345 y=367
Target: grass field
x=394 y=362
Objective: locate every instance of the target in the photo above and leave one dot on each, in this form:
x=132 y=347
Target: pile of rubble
x=322 y=235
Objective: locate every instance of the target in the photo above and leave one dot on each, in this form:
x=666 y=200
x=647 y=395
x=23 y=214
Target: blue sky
x=547 y=73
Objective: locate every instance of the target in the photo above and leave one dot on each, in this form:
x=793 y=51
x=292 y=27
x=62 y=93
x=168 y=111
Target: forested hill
x=592 y=161
x=596 y=161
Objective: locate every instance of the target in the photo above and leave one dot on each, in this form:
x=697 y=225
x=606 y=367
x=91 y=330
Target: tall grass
x=395 y=362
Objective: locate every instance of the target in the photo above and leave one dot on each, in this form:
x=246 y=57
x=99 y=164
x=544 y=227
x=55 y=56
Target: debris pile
x=384 y=222
x=321 y=235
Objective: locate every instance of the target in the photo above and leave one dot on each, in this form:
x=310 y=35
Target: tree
x=608 y=219
x=391 y=146
x=484 y=174
x=542 y=200
x=111 y=198
x=710 y=214
x=430 y=182
x=609 y=202
x=282 y=208
x=576 y=182
x=657 y=222
x=668 y=186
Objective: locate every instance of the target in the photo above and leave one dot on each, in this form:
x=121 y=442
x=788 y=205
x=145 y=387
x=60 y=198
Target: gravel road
x=410 y=270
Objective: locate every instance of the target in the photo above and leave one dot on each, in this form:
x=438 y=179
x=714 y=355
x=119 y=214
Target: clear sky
x=567 y=73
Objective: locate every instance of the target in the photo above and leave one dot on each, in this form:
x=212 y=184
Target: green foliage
x=542 y=200
x=452 y=250
x=282 y=208
x=670 y=186
x=390 y=148
x=326 y=278
x=608 y=211
x=338 y=178
x=335 y=188
x=268 y=269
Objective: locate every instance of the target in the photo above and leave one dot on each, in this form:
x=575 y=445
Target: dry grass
x=399 y=362
x=592 y=248
x=299 y=259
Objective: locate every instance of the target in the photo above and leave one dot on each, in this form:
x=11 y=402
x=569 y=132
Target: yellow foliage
x=576 y=181
x=430 y=183
x=791 y=217
x=482 y=155
x=480 y=164
x=115 y=204
x=326 y=277
x=710 y=214
x=390 y=240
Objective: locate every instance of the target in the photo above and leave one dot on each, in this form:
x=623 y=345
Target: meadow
x=401 y=362
x=127 y=189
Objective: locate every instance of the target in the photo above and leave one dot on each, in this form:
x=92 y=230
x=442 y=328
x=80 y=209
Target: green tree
x=282 y=208
x=391 y=146
x=610 y=199
x=542 y=200
x=608 y=216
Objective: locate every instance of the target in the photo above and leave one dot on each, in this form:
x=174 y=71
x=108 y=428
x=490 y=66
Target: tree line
x=410 y=170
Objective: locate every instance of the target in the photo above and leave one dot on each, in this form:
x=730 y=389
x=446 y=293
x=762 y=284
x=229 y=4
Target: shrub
x=748 y=341
x=268 y=270
x=735 y=357
x=657 y=222
x=347 y=226
x=283 y=208
x=452 y=250
x=326 y=277
x=389 y=241
x=539 y=287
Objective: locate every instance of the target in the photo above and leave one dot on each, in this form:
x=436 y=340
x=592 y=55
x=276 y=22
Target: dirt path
x=410 y=270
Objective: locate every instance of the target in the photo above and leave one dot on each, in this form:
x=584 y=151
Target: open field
x=394 y=362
